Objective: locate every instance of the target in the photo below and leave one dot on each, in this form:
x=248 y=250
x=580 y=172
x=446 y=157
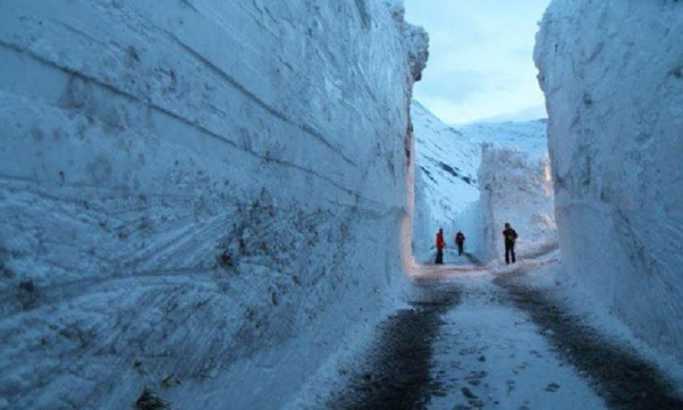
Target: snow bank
x=612 y=75
x=199 y=198
x=516 y=188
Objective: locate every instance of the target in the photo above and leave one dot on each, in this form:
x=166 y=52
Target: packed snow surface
x=199 y=198
x=613 y=77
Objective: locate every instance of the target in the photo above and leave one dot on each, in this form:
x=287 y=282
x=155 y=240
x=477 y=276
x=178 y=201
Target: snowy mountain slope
x=448 y=165
x=611 y=72
x=529 y=137
x=189 y=193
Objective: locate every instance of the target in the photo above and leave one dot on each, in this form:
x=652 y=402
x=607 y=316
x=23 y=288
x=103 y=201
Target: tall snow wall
x=199 y=196
x=613 y=77
x=516 y=187
x=446 y=187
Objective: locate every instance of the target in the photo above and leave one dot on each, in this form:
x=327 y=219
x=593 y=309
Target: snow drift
x=189 y=192
x=613 y=77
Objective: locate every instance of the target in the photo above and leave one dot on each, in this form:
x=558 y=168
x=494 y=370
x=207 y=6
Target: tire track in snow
x=397 y=374
x=625 y=381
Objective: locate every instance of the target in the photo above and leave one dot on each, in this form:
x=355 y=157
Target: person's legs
x=507 y=254
x=512 y=251
x=439 y=257
x=460 y=249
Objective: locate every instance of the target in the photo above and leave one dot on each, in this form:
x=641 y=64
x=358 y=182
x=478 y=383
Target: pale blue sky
x=480 y=65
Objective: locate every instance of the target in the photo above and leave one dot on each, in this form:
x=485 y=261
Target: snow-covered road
x=471 y=338
x=490 y=354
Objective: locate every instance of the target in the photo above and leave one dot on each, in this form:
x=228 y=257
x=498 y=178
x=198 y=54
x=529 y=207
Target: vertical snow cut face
x=188 y=192
x=446 y=184
x=613 y=77
x=516 y=188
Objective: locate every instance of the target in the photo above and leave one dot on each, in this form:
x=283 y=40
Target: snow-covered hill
x=613 y=77
x=529 y=137
x=448 y=192
x=195 y=196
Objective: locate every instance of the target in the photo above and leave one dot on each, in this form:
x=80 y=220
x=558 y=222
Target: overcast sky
x=480 y=65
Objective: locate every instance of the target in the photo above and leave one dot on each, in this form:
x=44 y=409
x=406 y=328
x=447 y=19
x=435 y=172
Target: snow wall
x=446 y=186
x=140 y=143
x=516 y=187
x=613 y=77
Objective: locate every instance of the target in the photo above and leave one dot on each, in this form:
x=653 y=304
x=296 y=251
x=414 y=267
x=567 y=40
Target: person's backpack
x=510 y=235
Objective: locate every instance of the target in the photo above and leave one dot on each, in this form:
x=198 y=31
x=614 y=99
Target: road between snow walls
x=199 y=201
x=472 y=337
x=541 y=334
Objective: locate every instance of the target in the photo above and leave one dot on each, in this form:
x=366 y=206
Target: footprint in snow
x=552 y=387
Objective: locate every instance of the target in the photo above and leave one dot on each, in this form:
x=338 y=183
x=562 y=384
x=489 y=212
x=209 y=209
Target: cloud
x=480 y=57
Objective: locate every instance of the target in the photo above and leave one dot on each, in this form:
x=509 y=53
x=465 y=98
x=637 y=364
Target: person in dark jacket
x=460 y=242
x=440 y=244
x=510 y=236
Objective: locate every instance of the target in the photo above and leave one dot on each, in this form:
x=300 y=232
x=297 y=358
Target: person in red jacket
x=460 y=242
x=440 y=244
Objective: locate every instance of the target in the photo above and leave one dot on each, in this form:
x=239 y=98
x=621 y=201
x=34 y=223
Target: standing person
x=510 y=236
x=460 y=242
x=440 y=244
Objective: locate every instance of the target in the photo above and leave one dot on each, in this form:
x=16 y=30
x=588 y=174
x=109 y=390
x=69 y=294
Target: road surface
x=471 y=339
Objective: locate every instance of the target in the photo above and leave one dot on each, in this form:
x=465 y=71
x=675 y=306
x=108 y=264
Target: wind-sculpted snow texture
x=190 y=192
x=613 y=76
